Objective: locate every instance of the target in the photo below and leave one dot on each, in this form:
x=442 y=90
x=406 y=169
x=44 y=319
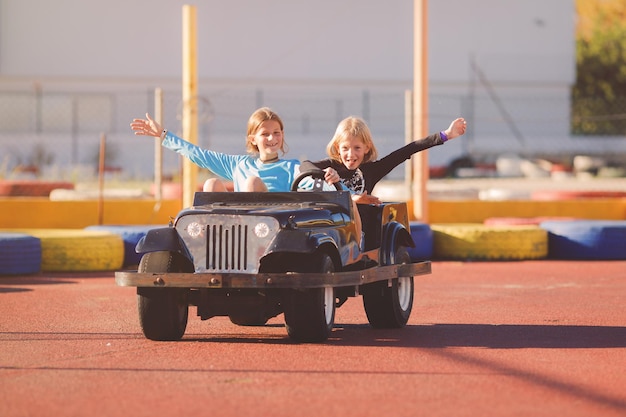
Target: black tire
x=389 y=307
x=163 y=312
x=310 y=313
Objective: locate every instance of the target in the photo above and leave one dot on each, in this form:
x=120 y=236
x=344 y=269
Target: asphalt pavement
x=529 y=338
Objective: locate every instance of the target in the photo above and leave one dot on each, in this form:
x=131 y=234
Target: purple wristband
x=444 y=137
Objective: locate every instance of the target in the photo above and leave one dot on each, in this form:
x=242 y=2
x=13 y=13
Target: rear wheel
x=310 y=313
x=163 y=312
x=389 y=305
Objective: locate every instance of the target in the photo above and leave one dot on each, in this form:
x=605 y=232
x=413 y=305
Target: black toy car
x=253 y=256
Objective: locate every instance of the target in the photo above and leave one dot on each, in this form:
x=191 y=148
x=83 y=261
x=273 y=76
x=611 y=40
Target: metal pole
x=420 y=107
x=408 y=138
x=101 y=167
x=190 y=93
x=158 y=150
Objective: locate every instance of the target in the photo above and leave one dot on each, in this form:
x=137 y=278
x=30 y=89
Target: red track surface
x=536 y=338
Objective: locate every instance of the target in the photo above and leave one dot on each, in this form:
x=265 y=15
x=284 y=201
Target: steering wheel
x=310 y=170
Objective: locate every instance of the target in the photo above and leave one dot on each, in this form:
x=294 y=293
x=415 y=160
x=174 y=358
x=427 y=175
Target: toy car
x=252 y=256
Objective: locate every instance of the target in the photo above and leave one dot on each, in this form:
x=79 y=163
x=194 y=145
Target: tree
x=599 y=95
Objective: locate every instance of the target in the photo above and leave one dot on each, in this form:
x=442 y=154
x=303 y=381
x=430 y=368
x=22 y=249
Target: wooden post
x=420 y=107
x=158 y=149
x=190 y=92
x=101 y=168
x=408 y=138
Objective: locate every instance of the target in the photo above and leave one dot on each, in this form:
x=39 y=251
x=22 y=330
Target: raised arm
x=456 y=128
x=146 y=127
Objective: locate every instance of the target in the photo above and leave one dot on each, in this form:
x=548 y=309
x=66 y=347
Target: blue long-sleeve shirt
x=277 y=176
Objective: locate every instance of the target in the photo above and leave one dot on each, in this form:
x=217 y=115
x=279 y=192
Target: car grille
x=227 y=247
x=226 y=243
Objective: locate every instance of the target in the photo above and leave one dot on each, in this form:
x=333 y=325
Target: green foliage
x=599 y=95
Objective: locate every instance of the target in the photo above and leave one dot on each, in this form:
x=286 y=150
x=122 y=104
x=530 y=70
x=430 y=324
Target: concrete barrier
x=41 y=213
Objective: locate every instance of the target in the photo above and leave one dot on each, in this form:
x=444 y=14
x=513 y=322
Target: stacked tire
x=66 y=250
x=586 y=239
x=422 y=236
x=19 y=254
x=475 y=241
x=131 y=235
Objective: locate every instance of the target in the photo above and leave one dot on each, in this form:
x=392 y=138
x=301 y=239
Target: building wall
x=514 y=41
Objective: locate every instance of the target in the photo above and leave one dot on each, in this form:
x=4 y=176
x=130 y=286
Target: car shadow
x=493 y=336
x=13 y=290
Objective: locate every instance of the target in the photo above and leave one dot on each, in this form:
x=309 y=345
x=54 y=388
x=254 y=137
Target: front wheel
x=310 y=313
x=389 y=305
x=163 y=312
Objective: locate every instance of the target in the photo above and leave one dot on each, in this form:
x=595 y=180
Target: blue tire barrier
x=19 y=254
x=586 y=239
x=423 y=237
x=131 y=235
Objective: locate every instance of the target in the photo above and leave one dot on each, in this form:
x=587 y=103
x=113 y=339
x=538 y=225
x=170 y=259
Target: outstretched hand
x=366 y=198
x=146 y=127
x=331 y=176
x=457 y=128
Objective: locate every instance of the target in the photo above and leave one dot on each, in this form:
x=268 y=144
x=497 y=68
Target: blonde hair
x=356 y=127
x=254 y=123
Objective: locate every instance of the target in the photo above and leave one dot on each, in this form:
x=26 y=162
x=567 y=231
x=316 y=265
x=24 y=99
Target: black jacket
x=368 y=174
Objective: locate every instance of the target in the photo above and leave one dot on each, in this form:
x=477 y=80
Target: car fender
x=162 y=239
x=320 y=239
x=328 y=244
x=297 y=243
x=394 y=235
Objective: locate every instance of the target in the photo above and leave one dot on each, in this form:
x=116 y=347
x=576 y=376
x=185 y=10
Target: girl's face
x=269 y=139
x=352 y=151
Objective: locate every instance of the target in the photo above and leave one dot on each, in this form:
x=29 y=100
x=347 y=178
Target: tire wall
x=455 y=231
x=19 y=254
x=586 y=239
x=131 y=235
x=479 y=242
x=65 y=250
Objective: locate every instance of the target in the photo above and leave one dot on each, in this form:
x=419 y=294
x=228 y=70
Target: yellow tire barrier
x=518 y=221
x=65 y=250
x=473 y=241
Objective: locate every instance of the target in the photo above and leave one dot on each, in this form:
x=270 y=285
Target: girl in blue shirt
x=261 y=170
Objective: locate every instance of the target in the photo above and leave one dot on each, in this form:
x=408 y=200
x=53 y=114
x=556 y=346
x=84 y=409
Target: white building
x=71 y=70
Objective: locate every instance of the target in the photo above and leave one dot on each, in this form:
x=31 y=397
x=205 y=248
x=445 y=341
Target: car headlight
x=194 y=229
x=261 y=230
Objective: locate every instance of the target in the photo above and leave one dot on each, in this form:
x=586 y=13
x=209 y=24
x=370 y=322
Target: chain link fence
x=58 y=133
